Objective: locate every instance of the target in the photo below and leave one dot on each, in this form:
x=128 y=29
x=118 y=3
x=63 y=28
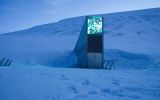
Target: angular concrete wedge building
x=89 y=47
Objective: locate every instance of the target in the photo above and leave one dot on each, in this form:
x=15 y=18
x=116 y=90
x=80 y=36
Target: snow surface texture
x=46 y=83
x=130 y=38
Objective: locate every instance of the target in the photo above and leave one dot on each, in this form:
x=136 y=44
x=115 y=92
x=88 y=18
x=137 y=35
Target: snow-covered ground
x=44 y=61
x=45 y=83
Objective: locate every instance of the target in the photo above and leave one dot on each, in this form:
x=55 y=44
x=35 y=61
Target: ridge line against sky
x=22 y=14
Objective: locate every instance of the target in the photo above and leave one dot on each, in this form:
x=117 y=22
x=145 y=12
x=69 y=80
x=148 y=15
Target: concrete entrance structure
x=89 y=47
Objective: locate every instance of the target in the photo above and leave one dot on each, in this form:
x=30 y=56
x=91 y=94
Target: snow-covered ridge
x=113 y=22
x=131 y=37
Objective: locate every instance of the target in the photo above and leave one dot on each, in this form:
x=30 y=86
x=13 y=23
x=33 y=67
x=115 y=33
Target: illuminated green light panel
x=94 y=25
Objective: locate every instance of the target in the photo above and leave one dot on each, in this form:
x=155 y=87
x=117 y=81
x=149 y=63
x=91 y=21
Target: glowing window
x=94 y=25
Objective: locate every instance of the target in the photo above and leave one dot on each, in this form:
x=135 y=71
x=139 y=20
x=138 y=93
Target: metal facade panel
x=95 y=43
x=95 y=60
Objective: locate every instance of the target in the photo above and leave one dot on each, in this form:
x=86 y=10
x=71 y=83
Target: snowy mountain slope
x=136 y=32
x=131 y=39
x=44 y=83
x=113 y=23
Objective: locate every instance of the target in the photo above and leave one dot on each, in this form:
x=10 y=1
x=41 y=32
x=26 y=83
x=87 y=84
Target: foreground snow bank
x=44 y=83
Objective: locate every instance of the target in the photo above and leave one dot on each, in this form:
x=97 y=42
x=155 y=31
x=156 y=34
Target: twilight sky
x=21 y=14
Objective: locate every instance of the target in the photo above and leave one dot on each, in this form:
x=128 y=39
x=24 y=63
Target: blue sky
x=21 y=14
